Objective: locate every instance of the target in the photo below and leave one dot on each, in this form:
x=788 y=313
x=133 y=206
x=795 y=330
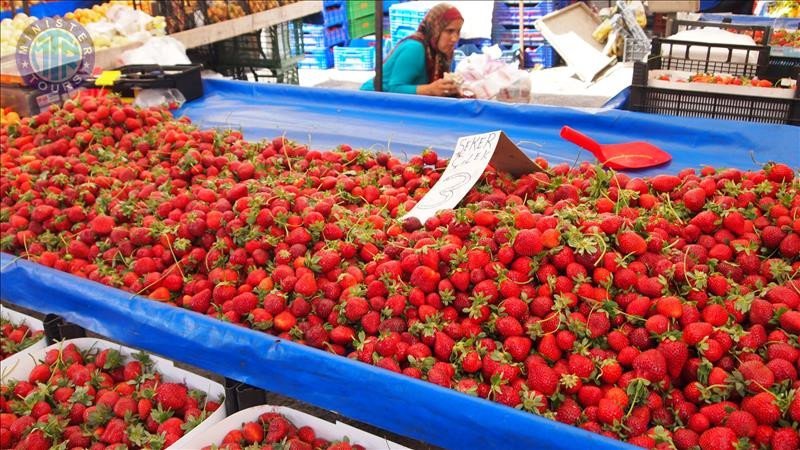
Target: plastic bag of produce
x=164 y=50
x=146 y=98
x=486 y=77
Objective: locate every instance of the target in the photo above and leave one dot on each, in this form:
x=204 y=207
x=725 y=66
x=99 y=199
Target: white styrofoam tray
x=569 y=31
x=19 y=366
x=322 y=428
x=18 y=318
x=752 y=91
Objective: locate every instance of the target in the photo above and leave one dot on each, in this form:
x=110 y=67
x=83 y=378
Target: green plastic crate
x=361 y=27
x=357 y=10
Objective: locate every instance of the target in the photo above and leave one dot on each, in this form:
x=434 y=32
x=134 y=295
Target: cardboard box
x=670 y=6
x=569 y=31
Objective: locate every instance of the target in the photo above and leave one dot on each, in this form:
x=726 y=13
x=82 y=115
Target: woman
x=418 y=64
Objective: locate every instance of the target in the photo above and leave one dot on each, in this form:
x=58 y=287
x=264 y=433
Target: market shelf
x=235 y=27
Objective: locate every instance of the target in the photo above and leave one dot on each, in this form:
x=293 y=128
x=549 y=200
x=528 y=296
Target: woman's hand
x=442 y=87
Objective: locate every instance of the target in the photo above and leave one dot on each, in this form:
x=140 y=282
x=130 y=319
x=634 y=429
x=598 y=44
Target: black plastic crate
x=287 y=75
x=278 y=46
x=183 y=77
x=690 y=56
x=678 y=102
x=783 y=67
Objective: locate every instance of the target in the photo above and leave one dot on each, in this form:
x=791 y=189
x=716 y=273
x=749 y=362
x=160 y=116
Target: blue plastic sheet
x=326 y=118
x=375 y=396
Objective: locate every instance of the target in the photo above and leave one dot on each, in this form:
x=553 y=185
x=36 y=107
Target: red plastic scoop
x=630 y=155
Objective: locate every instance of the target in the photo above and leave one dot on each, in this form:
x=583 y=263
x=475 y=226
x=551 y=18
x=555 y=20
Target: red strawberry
x=519 y=347
x=676 y=354
x=790 y=321
x=779 y=173
x=785 y=439
x=742 y=423
x=171 y=395
x=631 y=243
x=253 y=432
x=718 y=438
x=528 y=242
x=609 y=411
x=650 y=365
x=114 y=432
x=543 y=379
x=664 y=183
x=757 y=376
x=695 y=199
x=425 y=278
x=762 y=407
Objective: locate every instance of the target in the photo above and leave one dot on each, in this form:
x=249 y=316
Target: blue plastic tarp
x=375 y=396
x=326 y=118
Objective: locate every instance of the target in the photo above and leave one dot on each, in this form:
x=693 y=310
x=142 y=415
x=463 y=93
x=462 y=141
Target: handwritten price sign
x=470 y=158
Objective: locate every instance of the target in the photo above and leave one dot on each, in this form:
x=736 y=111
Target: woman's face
x=449 y=37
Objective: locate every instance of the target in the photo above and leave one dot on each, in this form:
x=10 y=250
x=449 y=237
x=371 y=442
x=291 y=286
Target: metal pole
x=521 y=34
x=378 y=45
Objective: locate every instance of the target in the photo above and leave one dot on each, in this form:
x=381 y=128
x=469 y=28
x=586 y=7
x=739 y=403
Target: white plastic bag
x=486 y=77
x=164 y=50
x=156 y=97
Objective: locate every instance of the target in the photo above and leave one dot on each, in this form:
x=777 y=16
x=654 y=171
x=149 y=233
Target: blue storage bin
x=49 y=9
x=321 y=58
x=388 y=4
x=404 y=18
x=507 y=13
x=359 y=54
x=319 y=36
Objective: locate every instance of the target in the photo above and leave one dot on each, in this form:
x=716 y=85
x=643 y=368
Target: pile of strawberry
x=15 y=337
x=663 y=311
x=95 y=399
x=274 y=431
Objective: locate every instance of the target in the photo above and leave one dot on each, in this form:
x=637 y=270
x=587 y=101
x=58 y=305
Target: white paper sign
x=470 y=158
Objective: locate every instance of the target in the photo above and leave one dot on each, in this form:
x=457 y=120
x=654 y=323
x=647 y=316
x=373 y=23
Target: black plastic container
x=686 y=103
x=185 y=78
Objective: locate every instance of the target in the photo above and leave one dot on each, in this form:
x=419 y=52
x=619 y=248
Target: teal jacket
x=404 y=70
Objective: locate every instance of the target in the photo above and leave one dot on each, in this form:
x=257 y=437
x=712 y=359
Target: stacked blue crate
x=404 y=18
x=506 y=33
x=323 y=31
x=359 y=54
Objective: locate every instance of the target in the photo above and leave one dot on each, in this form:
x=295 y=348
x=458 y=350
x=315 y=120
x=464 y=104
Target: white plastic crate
x=323 y=429
x=18 y=318
x=19 y=366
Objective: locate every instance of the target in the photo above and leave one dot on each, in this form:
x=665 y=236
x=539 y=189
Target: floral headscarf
x=428 y=32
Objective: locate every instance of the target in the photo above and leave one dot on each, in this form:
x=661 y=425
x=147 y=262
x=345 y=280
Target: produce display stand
x=204 y=35
x=381 y=398
x=208 y=34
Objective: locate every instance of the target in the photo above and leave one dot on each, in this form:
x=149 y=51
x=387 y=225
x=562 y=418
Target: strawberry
x=665 y=183
x=785 y=439
x=676 y=354
x=253 y=432
x=543 y=379
x=790 y=321
x=779 y=173
x=425 y=278
x=609 y=411
x=718 y=438
x=528 y=242
x=171 y=395
x=762 y=407
x=694 y=199
x=631 y=243
x=742 y=423
x=650 y=365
